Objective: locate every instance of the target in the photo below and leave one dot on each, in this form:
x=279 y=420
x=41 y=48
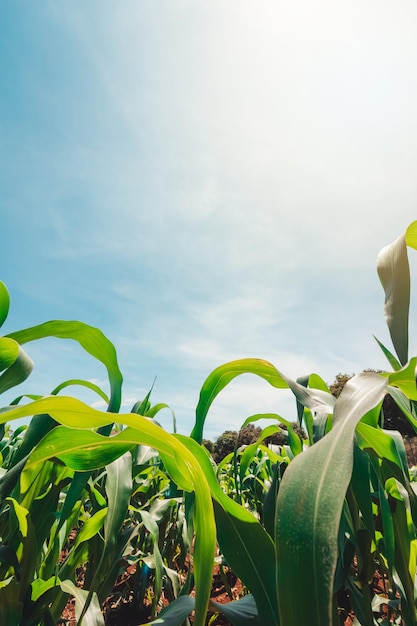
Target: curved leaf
x=394 y=273
x=81 y=383
x=15 y=361
x=4 y=303
x=93 y=615
x=315 y=399
x=405 y=379
x=222 y=376
x=241 y=612
x=91 y=339
x=175 y=613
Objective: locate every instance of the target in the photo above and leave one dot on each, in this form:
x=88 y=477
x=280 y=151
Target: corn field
x=301 y=525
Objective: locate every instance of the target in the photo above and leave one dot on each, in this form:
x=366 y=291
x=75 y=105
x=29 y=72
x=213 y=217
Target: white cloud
x=220 y=180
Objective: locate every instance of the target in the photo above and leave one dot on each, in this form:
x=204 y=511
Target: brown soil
x=119 y=609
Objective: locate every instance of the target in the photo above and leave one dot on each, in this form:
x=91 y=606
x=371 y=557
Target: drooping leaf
x=39 y=586
x=16 y=363
x=91 y=339
x=81 y=383
x=93 y=616
x=242 y=612
x=405 y=379
x=175 y=613
x=316 y=399
x=394 y=274
x=4 y=303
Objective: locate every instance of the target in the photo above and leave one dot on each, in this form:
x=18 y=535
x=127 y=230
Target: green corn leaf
x=241 y=612
x=10 y=479
x=29 y=396
x=250 y=450
x=175 y=613
x=293 y=439
x=403 y=538
x=154 y=410
x=21 y=515
x=394 y=273
x=361 y=487
x=378 y=441
x=38 y=427
x=411 y=235
x=91 y=527
x=9 y=350
x=11 y=604
x=152 y=527
x=264 y=416
x=81 y=383
x=395 y=364
x=405 y=379
x=93 y=616
x=19 y=365
x=91 y=339
x=39 y=587
x=4 y=303
x=309 y=506
x=118 y=489
x=399 y=444
x=84 y=450
x=8 y=555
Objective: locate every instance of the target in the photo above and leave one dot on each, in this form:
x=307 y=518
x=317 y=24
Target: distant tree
x=340 y=381
x=247 y=435
x=224 y=444
x=207 y=443
x=230 y=440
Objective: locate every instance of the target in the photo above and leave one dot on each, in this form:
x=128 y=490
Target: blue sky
x=205 y=181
